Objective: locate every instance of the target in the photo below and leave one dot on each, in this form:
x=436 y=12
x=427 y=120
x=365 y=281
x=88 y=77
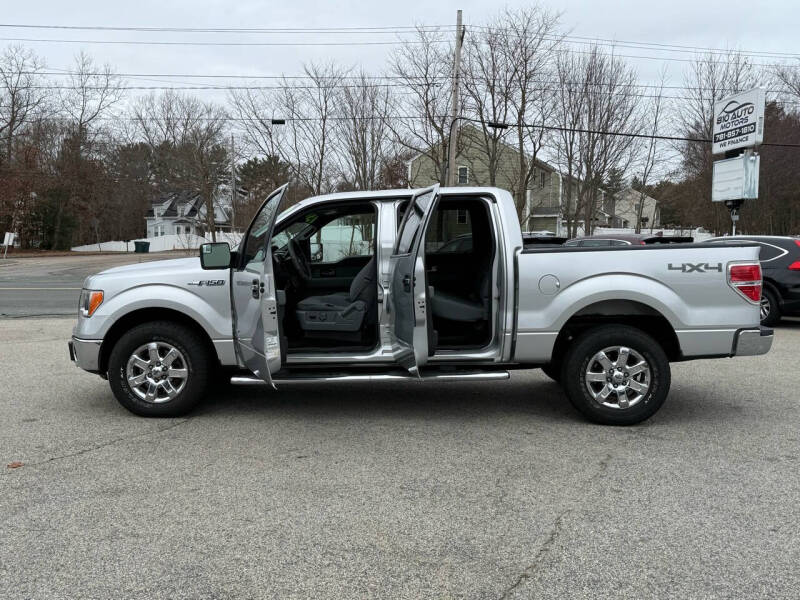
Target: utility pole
x=453 y=138
x=233 y=186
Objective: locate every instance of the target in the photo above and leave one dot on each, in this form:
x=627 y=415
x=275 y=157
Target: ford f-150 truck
x=395 y=297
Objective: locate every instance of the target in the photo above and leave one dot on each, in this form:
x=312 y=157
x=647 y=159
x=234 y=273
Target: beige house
x=473 y=170
x=545 y=197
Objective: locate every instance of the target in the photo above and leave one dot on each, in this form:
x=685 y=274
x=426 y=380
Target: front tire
x=770 y=311
x=553 y=371
x=616 y=375
x=159 y=369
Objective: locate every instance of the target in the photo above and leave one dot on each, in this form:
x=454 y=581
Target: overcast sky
x=749 y=25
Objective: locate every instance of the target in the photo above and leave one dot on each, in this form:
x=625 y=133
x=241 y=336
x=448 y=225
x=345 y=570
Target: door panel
x=409 y=326
x=255 y=298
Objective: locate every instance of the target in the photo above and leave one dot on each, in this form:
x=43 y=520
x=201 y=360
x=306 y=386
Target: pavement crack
x=555 y=531
x=531 y=568
x=90 y=449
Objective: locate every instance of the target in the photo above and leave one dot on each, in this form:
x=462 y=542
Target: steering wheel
x=299 y=260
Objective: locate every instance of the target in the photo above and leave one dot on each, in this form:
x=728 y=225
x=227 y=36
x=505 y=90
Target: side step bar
x=327 y=377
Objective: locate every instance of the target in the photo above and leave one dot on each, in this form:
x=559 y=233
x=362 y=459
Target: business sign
x=738 y=121
x=736 y=178
x=8 y=240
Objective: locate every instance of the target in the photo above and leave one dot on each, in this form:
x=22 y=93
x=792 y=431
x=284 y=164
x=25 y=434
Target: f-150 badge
x=207 y=282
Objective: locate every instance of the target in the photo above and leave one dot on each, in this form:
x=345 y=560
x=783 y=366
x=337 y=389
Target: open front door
x=410 y=329
x=256 y=321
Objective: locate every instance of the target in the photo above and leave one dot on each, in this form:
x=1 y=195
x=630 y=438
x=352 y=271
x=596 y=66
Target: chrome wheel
x=617 y=377
x=766 y=307
x=157 y=372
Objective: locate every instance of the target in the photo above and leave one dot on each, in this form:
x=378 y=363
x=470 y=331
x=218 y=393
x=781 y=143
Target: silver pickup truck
x=431 y=284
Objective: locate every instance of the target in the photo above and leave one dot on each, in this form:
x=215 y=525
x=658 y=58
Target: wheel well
x=769 y=284
x=622 y=312
x=145 y=315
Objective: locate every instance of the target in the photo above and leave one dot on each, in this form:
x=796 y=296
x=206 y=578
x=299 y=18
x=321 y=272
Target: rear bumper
x=85 y=353
x=752 y=342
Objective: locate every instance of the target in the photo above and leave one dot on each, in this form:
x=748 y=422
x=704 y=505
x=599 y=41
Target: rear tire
x=770 y=311
x=159 y=369
x=616 y=375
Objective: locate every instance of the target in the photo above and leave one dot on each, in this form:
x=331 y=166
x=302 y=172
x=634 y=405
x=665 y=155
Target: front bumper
x=85 y=353
x=752 y=342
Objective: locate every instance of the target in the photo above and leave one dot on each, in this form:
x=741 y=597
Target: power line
x=419 y=80
x=400 y=29
x=599 y=41
x=172 y=43
x=356 y=29
x=619 y=133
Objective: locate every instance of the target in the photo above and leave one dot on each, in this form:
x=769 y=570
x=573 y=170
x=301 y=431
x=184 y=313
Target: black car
x=780 y=268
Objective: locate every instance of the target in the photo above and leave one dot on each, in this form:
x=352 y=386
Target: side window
x=450 y=231
x=349 y=235
x=411 y=223
x=254 y=248
x=768 y=252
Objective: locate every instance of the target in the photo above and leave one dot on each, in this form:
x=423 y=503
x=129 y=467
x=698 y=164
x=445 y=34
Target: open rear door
x=410 y=328
x=255 y=298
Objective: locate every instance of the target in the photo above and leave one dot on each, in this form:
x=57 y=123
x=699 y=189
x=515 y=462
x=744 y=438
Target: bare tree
x=507 y=65
x=92 y=91
x=594 y=107
x=187 y=137
x=421 y=120
x=363 y=132
x=20 y=99
x=652 y=116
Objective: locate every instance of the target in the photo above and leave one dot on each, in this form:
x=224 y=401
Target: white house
x=184 y=212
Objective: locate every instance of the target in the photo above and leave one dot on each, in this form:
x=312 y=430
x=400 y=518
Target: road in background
x=398 y=490
x=51 y=285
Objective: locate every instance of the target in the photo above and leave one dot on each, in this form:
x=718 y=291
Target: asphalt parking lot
x=483 y=490
x=42 y=285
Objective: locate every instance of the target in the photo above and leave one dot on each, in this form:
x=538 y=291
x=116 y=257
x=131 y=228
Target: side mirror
x=215 y=256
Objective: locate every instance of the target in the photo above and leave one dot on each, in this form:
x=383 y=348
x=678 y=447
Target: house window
x=541 y=180
x=463 y=175
x=461 y=216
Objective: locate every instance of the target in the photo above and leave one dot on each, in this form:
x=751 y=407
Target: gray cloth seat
x=458 y=308
x=343 y=311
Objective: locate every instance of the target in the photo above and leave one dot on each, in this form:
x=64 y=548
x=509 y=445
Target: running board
x=313 y=377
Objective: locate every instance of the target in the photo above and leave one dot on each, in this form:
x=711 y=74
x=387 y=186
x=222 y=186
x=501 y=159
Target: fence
x=162 y=243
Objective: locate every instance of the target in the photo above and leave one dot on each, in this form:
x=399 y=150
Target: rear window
x=769 y=252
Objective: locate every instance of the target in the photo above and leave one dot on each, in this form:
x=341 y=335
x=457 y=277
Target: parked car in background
x=780 y=265
x=625 y=239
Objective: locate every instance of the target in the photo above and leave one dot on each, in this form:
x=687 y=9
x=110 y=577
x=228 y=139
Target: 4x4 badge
x=695 y=267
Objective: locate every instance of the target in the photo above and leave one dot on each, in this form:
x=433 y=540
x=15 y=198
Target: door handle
x=407 y=283
x=257 y=288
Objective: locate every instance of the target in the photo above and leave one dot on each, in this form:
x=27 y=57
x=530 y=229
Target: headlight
x=90 y=301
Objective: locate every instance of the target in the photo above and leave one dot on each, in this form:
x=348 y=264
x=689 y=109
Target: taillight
x=795 y=266
x=745 y=278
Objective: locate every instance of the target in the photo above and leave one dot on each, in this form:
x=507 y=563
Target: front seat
x=344 y=311
x=466 y=310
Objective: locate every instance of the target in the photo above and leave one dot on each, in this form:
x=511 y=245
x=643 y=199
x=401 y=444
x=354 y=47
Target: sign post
x=8 y=240
x=738 y=123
